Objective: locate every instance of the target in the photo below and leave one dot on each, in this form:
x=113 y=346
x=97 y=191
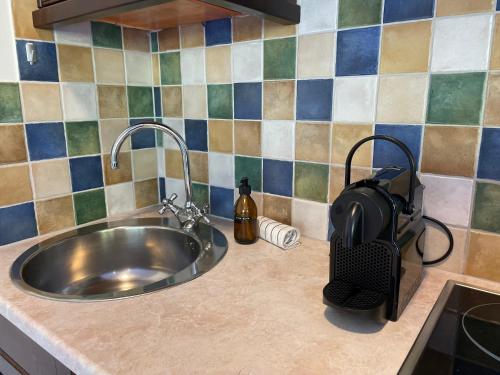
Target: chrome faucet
x=189 y=215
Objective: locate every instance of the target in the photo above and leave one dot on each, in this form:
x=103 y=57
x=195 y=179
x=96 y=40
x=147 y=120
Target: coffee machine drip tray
x=461 y=334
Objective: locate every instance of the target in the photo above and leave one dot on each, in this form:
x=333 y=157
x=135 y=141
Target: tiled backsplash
x=59 y=118
x=280 y=104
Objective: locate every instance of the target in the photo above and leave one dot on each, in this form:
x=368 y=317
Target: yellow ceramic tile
x=75 y=63
x=247 y=28
x=457 y=7
x=51 y=178
x=13 y=149
x=145 y=164
x=276 y=30
x=42 y=102
x=155 y=63
x=109 y=66
x=405 y=47
x=315 y=55
x=218 y=64
x=195 y=101
x=495 y=52
x=172 y=101
x=220 y=135
x=168 y=39
x=312 y=142
x=23 y=21
x=112 y=101
x=110 y=130
x=484 y=259
x=55 y=214
x=199 y=166
x=173 y=164
x=278 y=208
x=146 y=193
x=15 y=185
x=247 y=138
x=279 y=98
x=122 y=174
x=346 y=136
x=192 y=35
x=136 y=40
x=401 y=99
x=492 y=109
x=337 y=179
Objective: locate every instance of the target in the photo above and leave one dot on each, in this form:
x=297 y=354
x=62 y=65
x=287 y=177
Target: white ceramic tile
x=120 y=198
x=8 y=61
x=317 y=15
x=311 y=218
x=461 y=43
x=221 y=170
x=79 y=101
x=178 y=126
x=447 y=199
x=194 y=100
x=193 y=66
x=174 y=185
x=277 y=139
x=138 y=68
x=247 y=62
x=354 y=99
x=437 y=242
x=160 y=157
x=144 y=164
x=77 y=33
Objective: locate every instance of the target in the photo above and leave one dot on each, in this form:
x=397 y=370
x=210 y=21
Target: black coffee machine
x=377 y=245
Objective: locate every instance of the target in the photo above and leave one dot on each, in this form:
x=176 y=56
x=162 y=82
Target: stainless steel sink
x=118 y=259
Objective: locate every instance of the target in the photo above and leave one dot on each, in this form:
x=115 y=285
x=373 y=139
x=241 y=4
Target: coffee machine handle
x=404 y=148
x=353 y=229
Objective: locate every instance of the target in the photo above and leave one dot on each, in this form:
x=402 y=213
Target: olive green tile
x=200 y=194
x=248 y=167
x=311 y=181
x=83 y=138
x=279 y=58
x=220 y=101
x=486 y=215
x=106 y=35
x=159 y=136
x=89 y=206
x=456 y=98
x=170 y=68
x=10 y=103
x=140 y=101
x=359 y=12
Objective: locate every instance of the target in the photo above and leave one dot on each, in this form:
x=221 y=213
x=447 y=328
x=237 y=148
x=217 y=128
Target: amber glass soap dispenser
x=245 y=215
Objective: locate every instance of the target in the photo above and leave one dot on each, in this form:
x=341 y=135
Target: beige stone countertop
x=259 y=311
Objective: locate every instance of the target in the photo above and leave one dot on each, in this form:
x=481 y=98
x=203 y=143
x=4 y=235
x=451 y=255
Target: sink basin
x=118 y=259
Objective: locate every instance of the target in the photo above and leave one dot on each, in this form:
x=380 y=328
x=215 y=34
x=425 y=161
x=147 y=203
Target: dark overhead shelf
x=160 y=14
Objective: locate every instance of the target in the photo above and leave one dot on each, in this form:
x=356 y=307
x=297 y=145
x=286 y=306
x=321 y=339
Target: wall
x=284 y=104
x=59 y=117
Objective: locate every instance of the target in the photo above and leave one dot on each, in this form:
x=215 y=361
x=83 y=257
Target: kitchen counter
x=259 y=311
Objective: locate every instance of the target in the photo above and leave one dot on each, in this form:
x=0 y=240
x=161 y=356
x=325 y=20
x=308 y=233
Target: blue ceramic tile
x=248 y=101
x=277 y=177
x=46 y=140
x=196 y=134
x=218 y=32
x=489 y=166
x=498 y=4
x=387 y=154
x=161 y=184
x=357 y=51
x=314 y=99
x=144 y=138
x=157 y=100
x=221 y=202
x=45 y=67
x=86 y=173
x=402 y=10
x=17 y=223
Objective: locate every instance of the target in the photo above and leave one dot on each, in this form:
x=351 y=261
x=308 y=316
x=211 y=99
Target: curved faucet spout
x=115 y=150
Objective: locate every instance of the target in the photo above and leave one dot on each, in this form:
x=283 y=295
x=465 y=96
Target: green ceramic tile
x=154 y=42
x=159 y=138
x=140 y=101
x=359 y=12
x=89 y=206
x=83 y=138
x=170 y=68
x=200 y=194
x=248 y=167
x=106 y=35
x=486 y=214
x=311 y=181
x=220 y=101
x=456 y=98
x=279 y=58
x=10 y=103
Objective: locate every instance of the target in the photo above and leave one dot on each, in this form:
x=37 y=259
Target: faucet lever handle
x=172 y=198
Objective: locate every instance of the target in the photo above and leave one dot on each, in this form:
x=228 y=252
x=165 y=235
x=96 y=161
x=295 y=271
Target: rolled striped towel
x=277 y=233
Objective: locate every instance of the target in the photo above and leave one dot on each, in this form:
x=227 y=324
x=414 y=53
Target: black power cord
x=450 y=238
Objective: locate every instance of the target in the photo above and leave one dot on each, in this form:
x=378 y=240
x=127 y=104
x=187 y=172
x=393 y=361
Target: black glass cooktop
x=461 y=335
